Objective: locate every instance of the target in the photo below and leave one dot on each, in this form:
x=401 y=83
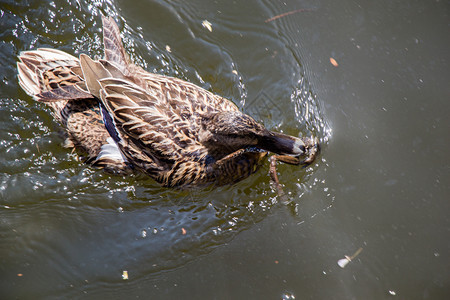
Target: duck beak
x=284 y=144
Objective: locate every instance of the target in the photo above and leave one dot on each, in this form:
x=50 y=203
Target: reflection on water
x=79 y=225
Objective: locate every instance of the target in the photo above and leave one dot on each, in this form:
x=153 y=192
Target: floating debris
x=168 y=48
x=125 y=275
x=183 y=231
x=287 y=296
x=286 y=14
x=393 y=293
x=344 y=261
x=207 y=25
x=333 y=62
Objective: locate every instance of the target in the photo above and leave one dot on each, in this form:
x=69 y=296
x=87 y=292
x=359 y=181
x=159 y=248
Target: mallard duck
x=126 y=119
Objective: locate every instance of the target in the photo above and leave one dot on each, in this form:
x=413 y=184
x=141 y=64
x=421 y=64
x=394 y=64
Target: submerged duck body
x=125 y=118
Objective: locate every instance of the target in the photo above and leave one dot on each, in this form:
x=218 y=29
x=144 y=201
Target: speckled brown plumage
x=126 y=118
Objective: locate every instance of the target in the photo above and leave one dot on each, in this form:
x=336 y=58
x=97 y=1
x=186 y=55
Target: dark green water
x=381 y=182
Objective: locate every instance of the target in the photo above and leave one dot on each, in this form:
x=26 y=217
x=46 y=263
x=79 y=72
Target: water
x=381 y=182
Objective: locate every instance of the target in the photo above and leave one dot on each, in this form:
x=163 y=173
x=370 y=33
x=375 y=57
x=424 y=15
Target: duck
x=126 y=119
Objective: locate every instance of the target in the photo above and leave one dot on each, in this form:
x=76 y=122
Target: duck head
x=226 y=132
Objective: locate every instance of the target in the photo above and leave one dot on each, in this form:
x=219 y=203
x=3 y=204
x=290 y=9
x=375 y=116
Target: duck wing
x=140 y=115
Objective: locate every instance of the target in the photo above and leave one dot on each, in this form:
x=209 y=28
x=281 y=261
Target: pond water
x=370 y=79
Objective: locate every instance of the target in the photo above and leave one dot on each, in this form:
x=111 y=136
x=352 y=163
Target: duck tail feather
x=48 y=75
x=114 y=50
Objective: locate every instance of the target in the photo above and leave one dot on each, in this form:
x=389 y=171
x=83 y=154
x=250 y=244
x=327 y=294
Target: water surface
x=381 y=182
